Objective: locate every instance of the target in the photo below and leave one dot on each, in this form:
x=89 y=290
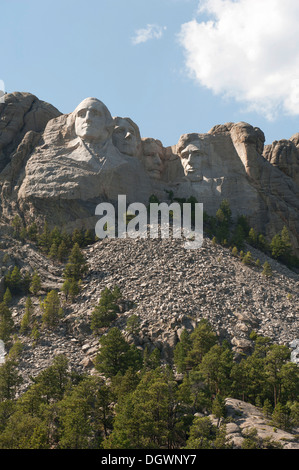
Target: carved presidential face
x=153 y=157
x=192 y=156
x=249 y=135
x=126 y=136
x=92 y=121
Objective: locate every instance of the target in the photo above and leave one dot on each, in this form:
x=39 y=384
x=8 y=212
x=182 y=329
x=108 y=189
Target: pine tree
x=267 y=408
x=53 y=251
x=235 y=251
x=106 y=311
x=133 y=327
x=267 y=270
x=116 y=355
x=27 y=318
x=51 y=309
x=26 y=281
x=35 y=285
x=35 y=333
x=88 y=237
x=76 y=266
x=6 y=322
x=238 y=237
x=202 y=339
x=218 y=408
x=16 y=350
x=9 y=380
x=32 y=232
x=7 y=298
x=55 y=236
x=262 y=243
x=225 y=208
x=181 y=350
x=44 y=239
x=17 y=226
x=252 y=237
x=23 y=234
x=281 y=417
x=286 y=241
x=74 y=289
x=66 y=288
x=13 y=280
x=78 y=237
x=62 y=251
x=247 y=259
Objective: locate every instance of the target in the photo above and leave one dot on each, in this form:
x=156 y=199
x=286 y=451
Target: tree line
x=134 y=401
x=221 y=229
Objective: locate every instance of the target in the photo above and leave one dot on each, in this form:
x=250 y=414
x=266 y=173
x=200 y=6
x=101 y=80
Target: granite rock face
x=284 y=155
x=60 y=167
x=19 y=114
x=246 y=417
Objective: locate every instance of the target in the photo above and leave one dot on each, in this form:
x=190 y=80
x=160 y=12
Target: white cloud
x=247 y=50
x=152 y=31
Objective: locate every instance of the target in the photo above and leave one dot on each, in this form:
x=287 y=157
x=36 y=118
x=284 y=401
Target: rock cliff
x=60 y=166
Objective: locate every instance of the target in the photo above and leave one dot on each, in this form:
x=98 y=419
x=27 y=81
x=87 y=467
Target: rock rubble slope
x=169 y=288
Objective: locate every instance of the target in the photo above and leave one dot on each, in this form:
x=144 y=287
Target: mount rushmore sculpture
x=60 y=166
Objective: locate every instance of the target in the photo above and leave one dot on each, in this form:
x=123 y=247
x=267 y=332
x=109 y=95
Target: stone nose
x=88 y=116
x=128 y=135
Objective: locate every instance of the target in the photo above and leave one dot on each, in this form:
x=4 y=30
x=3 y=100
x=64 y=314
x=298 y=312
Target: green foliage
x=13 y=280
x=235 y=251
x=71 y=289
x=218 y=408
x=62 y=252
x=116 y=355
x=9 y=380
x=248 y=259
x=253 y=441
x=280 y=245
x=6 y=322
x=76 y=266
x=32 y=232
x=222 y=229
x=205 y=435
x=215 y=368
x=181 y=351
x=16 y=350
x=84 y=414
x=142 y=406
x=51 y=309
x=7 y=298
x=202 y=339
x=146 y=418
x=27 y=317
x=133 y=327
x=253 y=238
x=35 y=285
x=267 y=270
x=151 y=360
x=106 y=311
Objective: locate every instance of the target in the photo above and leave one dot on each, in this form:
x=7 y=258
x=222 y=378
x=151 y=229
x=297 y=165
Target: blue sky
x=170 y=67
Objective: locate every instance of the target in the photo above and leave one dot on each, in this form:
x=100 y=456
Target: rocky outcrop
x=59 y=167
x=284 y=154
x=19 y=114
x=245 y=417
